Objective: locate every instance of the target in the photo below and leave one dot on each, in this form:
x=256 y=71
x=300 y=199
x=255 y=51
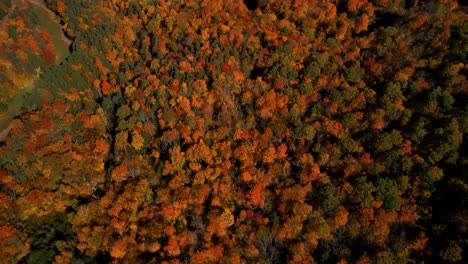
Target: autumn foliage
x=208 y=132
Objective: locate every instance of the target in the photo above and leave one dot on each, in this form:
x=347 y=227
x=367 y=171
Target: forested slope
x=204 y=132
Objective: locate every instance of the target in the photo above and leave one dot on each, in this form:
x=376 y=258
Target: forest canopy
x=192 y=131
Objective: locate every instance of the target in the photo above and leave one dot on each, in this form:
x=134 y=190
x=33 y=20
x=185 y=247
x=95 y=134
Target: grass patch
x=4 y=7
x=41 y=17
x=35 y=17
x=14 y=107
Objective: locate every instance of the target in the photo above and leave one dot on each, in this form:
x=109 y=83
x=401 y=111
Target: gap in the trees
x=251 y=4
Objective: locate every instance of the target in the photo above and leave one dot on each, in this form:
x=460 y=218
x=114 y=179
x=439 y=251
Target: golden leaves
x=291 y=228
x=153 y=247
x=246 y=176
x=362 y=23
x=255 y=195
x=202 y=193
x=121 y=140
x=185 y=67
x=197 y=101
x=113 y=211
x=225 y=143
x=228 y=217
x=354 y=5
x=119 y=249
x=98 y=63
x=177 y=158
x=241 y=134
x=6 y=231
x=136 y=105
x=101 y=146
x=341 y=216
x=268 y=104
x=169 y=212
x=143 y=192
x=269 y=155
x=119 y=173
x=406 y=147
x=184 y=104
x=38 y=203
x=105 y=202
x=334 y=127
x=379 y=123
x=209 y=174
x=282 y=149
x=200 y=152
x=417 y=21
x=137 y=140
x=205 y=34
x=61 y=6
x=94 y=121
x=172 y=247
x=130 y=90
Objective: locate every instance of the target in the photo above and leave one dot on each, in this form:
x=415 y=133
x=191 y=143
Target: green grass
x=43 y=20
x=14 y=107
x=35 y=16
x=2 y=12
x=4 y=6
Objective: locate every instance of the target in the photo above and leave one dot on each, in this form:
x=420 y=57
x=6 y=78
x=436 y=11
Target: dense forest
x=222 y=131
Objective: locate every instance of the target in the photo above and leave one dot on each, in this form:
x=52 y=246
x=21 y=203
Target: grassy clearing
x=4 y=7
x=14 y=107
x=36 y=18
x=42 y=19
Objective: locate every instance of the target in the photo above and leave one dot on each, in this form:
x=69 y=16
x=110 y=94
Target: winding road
x=52 y=17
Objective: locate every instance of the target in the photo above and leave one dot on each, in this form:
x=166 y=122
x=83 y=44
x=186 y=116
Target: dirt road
x=53 y=17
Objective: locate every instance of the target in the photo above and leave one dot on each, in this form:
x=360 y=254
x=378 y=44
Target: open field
x=37 y=17
x=48 y=21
